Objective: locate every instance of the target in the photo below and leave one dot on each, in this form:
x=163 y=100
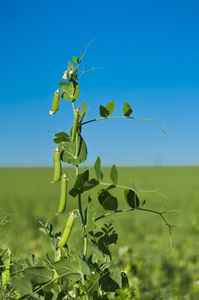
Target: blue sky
x=150 y=50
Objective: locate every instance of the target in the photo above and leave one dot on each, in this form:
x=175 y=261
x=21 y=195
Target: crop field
x=160 y=266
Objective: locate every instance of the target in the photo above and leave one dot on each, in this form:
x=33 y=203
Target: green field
x=162 y=268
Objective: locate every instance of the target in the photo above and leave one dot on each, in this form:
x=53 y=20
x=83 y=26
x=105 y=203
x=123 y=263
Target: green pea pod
x=67 y=230
x=125 y=282
x=6 y=258
x=55 y=104
x=63 y=198
x=57 y=165
x=75 y=125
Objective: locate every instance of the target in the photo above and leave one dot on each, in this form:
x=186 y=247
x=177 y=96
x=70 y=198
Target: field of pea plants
x=159 y=265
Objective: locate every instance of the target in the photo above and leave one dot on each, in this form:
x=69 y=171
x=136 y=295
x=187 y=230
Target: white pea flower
x=65 y=75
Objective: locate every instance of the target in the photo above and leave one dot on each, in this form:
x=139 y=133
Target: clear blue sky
x=151 y=53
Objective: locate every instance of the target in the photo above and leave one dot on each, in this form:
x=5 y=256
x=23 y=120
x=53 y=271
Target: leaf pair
x=99 y=174
x=108 y=201
x=106 y=111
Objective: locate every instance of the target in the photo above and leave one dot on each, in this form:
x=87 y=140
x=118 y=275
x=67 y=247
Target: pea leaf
x=69 y=154
x=131 y=198
x=22 y=285
x=78 y=186
x=114 y=174
x=38 y=274
x=68 y=268
x=110 y=203
x=110 y=107
x=76 y=59
x=127 y=110
x=83 y=111
x=61 y=137
x=90 y=217
x=110 y=187
x=102 y=195
x=63 y=83
x=107 y=200
x=70 y=91
x=120 y=296
x=97 y=167
x=71 y=67
x=83 y=183
x=103 y=111
x=90 y=184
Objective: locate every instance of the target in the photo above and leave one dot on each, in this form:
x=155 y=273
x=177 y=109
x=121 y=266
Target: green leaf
x=90 y=184
x=61 y=137
x=127 y=110
x=83 y=111
x=97 y=254
x=102 y=195
x=131 y=198
x=114 y=174
x=70 y=91
x=78 y=186
x=90 y=217
x=84 y=267
x=32 y=260
x=107 y=200
x=22 y=285
x=68 y=151
x=71 y=67
x=110 y=187
x=76 y=59
x=120 y=295
x=38 y=274
x=110 y=107
x=62 y=134
x=68 y=268
x=63 y=83
x=110 y=282
x=97 y=167
x=110 y=203
x=112 y=239
x=103 y=111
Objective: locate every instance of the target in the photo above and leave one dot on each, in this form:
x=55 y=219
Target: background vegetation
x=161 y=268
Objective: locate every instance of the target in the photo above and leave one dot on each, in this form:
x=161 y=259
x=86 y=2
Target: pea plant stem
x=123 y=117
x=142 y=209
x=133 y=189
x=82 y=217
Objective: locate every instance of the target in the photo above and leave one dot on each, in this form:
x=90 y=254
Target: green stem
x=82 y=218
x=142 y=209
x=123 y=117
x=73 y=105
x=133 y=189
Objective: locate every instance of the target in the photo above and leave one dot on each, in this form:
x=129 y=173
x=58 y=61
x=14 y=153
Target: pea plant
x=87 y=272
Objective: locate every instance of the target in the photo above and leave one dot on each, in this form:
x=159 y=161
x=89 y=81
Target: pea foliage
x=86 y=273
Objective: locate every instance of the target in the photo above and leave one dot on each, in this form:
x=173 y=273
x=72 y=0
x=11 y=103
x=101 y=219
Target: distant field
x=161 y=272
